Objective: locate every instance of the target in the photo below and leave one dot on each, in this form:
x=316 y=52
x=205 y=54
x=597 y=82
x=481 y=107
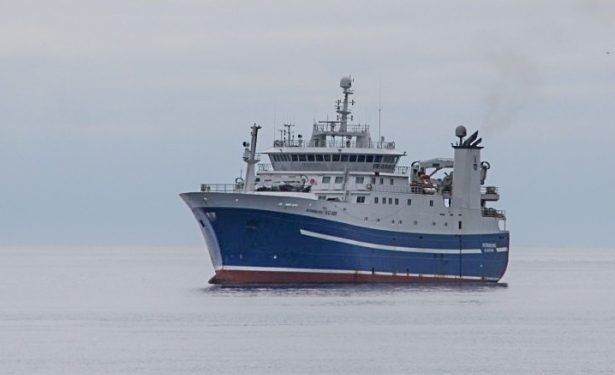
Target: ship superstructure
x=339 y=208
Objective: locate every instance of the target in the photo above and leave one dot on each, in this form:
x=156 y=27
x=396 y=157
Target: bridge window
x=353 y=158
x=294 y=157
x=310 y=157
x=336 y=157
x=369 y=158
x=361 y=158
x=377 y=158
x=326 y=179
x=344 y=157
x=339 y=179
x=302 y=157
x=359 y=179
x=327 y=157
x=318 y=157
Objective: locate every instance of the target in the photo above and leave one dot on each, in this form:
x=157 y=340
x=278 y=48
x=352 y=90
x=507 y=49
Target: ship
x=340 y=208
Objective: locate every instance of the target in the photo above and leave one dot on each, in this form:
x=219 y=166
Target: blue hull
x=250 y=245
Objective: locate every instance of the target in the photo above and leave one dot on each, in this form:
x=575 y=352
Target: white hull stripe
x=313 y=270
x=386 y=247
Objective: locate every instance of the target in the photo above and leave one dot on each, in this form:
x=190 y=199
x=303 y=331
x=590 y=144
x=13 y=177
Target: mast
x=344 y=111
x=249 y=156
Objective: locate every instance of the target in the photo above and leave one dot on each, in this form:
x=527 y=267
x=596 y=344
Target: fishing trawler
x=338 y=208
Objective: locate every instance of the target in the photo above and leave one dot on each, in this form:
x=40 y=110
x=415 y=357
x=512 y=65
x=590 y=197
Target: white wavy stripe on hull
x=391 y=247
x=332 y=271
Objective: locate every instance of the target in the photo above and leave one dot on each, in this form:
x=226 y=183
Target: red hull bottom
x=228 y=277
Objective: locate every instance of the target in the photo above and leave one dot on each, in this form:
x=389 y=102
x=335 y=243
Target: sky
x=110 y=109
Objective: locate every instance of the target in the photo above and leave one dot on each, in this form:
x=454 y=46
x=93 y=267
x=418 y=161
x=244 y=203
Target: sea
x=150 y=310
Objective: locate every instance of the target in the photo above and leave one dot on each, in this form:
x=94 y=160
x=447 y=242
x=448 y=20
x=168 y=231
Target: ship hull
x=298 y=276
x=255 y=246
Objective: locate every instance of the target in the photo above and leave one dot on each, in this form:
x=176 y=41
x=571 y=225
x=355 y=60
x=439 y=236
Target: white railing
x=327 y=127
x=222 y=188
x=489 y=190
x=390 y=188
x=492 y=212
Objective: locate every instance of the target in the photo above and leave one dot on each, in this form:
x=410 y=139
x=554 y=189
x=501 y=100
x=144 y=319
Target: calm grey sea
x=151 y=311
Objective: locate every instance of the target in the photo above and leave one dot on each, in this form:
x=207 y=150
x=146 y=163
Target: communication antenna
x=274 y=119
x=379 y=110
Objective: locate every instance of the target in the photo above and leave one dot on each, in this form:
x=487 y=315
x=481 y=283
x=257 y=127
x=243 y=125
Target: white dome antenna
x=460 y=132
x=346 y=82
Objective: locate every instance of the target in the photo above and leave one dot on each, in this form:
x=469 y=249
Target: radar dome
x=461 y=131
x=346 y=82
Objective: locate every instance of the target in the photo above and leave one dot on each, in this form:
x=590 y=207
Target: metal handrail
x=222 y=188
x=400 y=170
x=390 y=189
x=356 y=128
x=492 y=212
x=489 y=190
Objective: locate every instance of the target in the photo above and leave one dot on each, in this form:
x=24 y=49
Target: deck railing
x=400 y=170
x=335 y=127
x=222 y=188
x=489 y=190
x=492 y=212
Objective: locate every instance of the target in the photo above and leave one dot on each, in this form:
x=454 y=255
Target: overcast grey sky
x=109 y=109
